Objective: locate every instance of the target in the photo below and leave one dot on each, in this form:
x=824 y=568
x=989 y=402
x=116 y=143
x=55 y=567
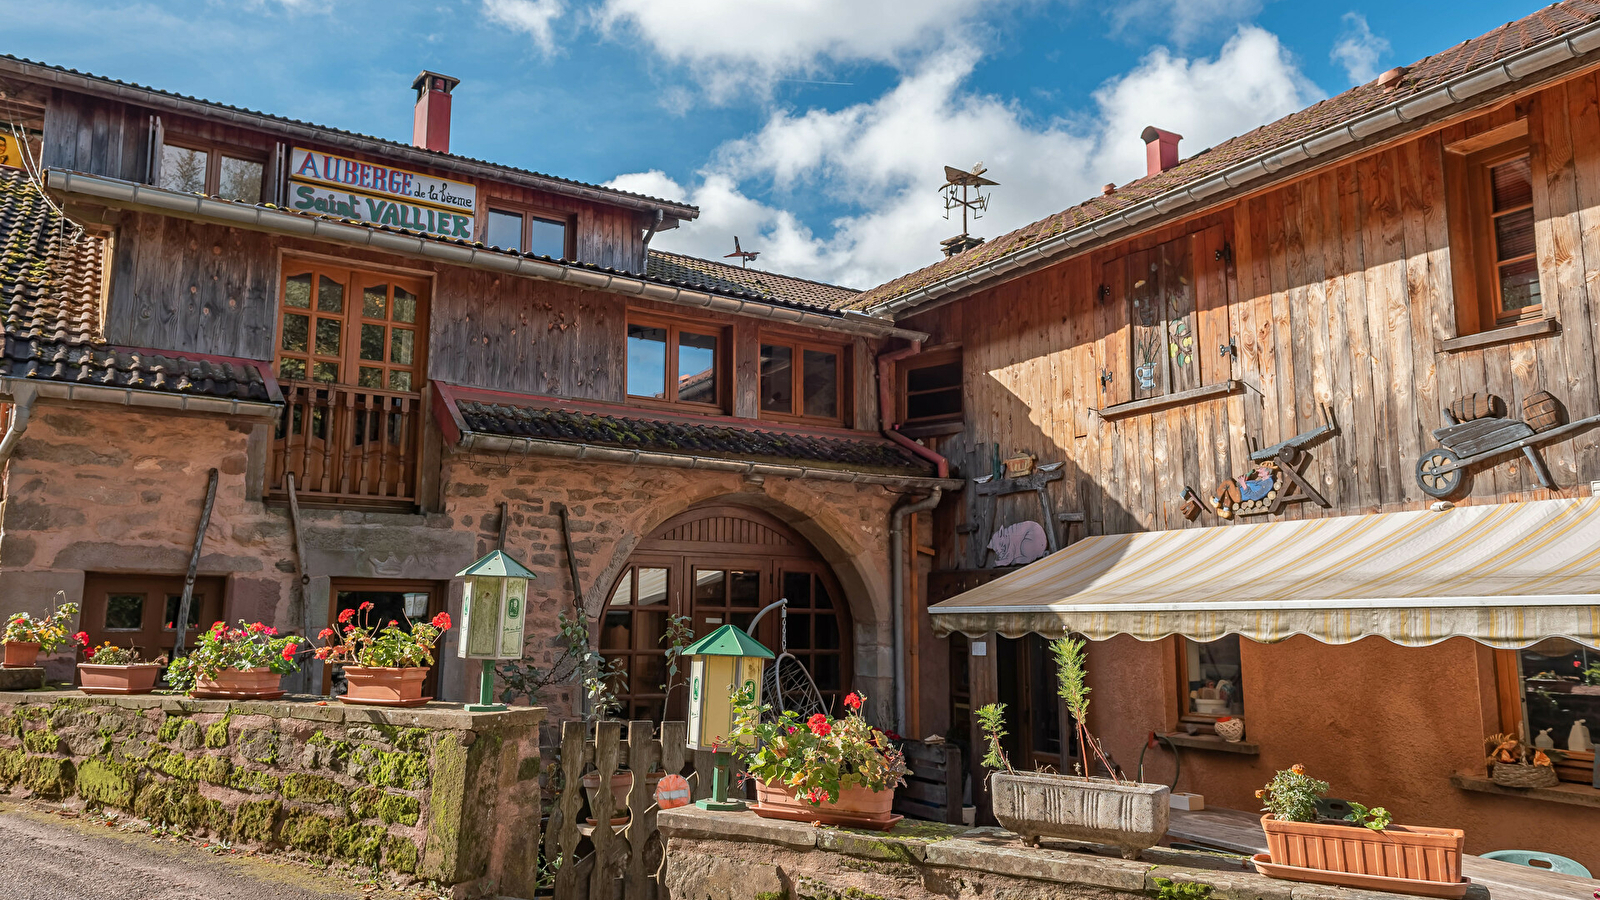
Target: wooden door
x=141 y=611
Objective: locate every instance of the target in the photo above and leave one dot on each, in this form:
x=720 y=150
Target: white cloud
x=882 y=161
x=1181 y=21
x=1358 y=49
x=535 y=18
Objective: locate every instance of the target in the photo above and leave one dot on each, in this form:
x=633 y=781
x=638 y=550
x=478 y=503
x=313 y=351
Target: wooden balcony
x=347 y=446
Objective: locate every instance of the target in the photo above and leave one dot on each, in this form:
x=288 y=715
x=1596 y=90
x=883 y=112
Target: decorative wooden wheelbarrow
x=1479 y=431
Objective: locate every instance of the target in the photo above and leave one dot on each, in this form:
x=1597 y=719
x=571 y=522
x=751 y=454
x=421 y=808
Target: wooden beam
x=1167 y=401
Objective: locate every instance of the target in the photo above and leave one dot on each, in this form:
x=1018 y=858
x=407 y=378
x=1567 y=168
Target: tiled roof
x=709 y=275
x=50 y=311
x=445 y=159
x=1539 y=27
x=547 y=421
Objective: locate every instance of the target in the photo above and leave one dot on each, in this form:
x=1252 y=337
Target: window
x=1494 y=258
x=930 y=394
x=141 y=611
x=1210 y=684
x=675 y=363
x=802 y=380
x=526 y=232
x=211 y=171
x=635 y=623
x=346 y=326
x=403 y=602
x=1552 y=691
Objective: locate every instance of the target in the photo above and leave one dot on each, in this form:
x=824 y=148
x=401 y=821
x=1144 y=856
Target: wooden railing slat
x=607 y=753
x=565 y=831
x=353 y=418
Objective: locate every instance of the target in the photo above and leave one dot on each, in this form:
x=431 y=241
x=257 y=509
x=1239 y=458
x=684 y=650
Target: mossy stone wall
x=436 y=792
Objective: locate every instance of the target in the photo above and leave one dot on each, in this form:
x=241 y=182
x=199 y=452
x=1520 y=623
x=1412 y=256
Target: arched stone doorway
x=716 y=565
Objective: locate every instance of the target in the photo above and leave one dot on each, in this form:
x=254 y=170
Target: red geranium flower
x=346 y=616
x=271 y=632
x=325 y=633
x=442 y=621
x=256 y=627
x=852 y=700
x=88 y=652
x=817 y=795
x=288 y=652
x=819 y=725
x=322 y=652
x=366 y=605
x=393 y=622
x=82 y=638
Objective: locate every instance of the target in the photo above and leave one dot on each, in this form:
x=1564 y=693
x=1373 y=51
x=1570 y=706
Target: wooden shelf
x=1499 y=336
x=1566 y=792
x=1213 y=744
x=1136 y=407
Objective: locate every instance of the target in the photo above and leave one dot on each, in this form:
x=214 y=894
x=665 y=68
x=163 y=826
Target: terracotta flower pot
x=856 y=807
x=384 y=685
x=1409 y=852
x=621 y=784
x=139 y=678
x=21 y=654
x=240 y=684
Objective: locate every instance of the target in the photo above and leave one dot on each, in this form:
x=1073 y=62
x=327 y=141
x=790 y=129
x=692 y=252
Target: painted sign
x=349 y=188
x=12 y=152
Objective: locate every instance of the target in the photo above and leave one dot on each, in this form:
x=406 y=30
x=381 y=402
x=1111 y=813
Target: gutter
x=149 y=97
x=285 y=222
x=897 y=595
x=495 y=443
x=886 y=402
x=133 y=397
x=22 y=398
x=1458 y=90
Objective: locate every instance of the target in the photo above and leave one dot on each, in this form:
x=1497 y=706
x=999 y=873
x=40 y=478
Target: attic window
x=1492 y=214
x=211 y=170
x=930 y=394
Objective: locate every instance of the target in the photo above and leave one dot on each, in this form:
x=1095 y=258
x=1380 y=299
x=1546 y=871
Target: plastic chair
x=1534 y=859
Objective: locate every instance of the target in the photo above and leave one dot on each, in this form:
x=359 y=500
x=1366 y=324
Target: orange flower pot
x=240 y=684
x=384 y=685
x=134 y=679
x=21 y=654
x=1409 y=852
x=856 y=807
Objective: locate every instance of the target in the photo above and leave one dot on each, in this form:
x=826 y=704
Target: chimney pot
x=1108 y=190
x=1160 y=150
x=1391 y=79
x=430 y=128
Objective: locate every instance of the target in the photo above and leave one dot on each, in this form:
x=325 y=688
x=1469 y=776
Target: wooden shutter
x=1178 y=313
x=158 y=137
x=1147 y=321
x=1211 y=305
x=1114 y=375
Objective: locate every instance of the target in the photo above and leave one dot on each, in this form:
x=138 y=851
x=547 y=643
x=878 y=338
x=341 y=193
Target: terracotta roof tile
x=1542 y=25
x=709 y=275
x=546 y=421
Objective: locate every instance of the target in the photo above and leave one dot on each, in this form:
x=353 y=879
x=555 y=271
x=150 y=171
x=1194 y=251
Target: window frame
x=1578 y=769
x=948 y=423
x=567 y=220
x=1474 y=268
x=1485 y=246
x=723 y=363
x=214 y=153
x=1185 y=714
x=354 y=279
x=797 y=348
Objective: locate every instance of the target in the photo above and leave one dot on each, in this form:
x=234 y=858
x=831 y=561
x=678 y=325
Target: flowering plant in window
x=109 y=654
x=49 y=632
x=252 y=646
x=360 y=638
x=818 y=757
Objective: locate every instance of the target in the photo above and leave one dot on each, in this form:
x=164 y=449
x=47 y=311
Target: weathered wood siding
x=1340 y=292
x=103 y=137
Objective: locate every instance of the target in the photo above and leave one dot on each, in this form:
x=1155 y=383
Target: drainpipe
x=660 y=215
x=886 y=363
x=897 y=594
x=22 y=397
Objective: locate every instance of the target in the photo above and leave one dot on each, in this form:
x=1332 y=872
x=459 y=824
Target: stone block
x=710 y=877
x=28 y=679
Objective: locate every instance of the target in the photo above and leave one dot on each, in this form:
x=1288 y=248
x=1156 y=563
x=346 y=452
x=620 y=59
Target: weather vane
x=964 y=189
x=745 y=256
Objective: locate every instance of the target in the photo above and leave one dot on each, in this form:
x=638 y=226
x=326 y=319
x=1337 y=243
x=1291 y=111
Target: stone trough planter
x=1131 y=816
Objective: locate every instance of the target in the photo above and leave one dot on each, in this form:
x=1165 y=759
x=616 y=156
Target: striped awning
x=1507 y=575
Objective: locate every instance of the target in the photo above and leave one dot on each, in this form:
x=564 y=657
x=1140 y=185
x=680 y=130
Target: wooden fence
x=601 y=861
x=347 y=444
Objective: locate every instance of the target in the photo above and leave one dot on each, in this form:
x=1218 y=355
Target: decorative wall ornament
x=1446 y=470
x=1277 y=478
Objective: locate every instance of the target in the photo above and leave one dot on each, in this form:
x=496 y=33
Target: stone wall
x=738 y=856
x=436 y=793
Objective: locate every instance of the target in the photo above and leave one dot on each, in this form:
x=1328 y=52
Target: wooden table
x=1236 y=831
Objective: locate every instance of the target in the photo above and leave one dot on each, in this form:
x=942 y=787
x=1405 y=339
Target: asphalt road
x=44 y=856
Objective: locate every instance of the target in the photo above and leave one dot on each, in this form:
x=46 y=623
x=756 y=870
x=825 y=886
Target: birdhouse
x=493 y=611
x=720 y=665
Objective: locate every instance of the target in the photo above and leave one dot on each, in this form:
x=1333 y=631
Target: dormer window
x=218 y=172
x=528 y=232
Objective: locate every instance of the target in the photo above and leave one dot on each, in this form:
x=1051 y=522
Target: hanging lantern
x=493 y=606
x=721 y=664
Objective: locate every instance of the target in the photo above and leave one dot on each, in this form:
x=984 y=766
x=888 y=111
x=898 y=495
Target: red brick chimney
x=1160 y=150
x=431 y=127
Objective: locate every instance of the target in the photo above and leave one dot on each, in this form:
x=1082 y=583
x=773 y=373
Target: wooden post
x=181 y=626
x=561 y=841
x=954 y=774
x=607 y=750
x=985 y=675
x=308 y=617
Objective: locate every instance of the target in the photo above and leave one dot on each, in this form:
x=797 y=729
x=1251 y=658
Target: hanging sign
x=13 y=153
x=349 y=188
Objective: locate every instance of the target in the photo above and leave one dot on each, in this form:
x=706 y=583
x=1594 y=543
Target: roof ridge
x=818 y=282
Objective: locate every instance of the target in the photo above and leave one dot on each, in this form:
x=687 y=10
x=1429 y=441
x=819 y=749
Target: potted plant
x=241 y=663
x=1128 y=815
x=1513 y=763
x=836 y=771
x=1365 y=849
x=108 y=669
x=26 y=636
x=384 y=664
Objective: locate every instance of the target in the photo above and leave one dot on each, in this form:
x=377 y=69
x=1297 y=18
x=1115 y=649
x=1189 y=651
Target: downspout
x=660 y=215
x=886 y=363
x=22 y=398
x=897 y=591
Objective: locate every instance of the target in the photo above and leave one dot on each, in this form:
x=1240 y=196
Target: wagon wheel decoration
x=1439 y=473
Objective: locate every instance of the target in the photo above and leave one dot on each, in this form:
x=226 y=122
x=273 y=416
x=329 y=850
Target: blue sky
x=813 y=129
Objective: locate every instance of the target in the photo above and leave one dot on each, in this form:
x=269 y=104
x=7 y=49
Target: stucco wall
x=1386 y=725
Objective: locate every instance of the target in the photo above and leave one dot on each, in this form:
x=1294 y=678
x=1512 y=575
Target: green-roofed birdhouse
x=720 y=665
x=493 y=606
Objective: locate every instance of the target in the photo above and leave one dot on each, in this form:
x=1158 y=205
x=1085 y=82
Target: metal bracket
x=1225 y=252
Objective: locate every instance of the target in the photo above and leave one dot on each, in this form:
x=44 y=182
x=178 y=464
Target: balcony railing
x=347 y=445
